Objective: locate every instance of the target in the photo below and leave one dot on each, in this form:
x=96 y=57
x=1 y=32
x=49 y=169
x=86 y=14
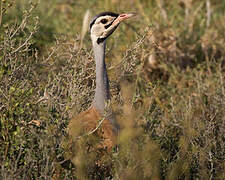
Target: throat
x=102 y=83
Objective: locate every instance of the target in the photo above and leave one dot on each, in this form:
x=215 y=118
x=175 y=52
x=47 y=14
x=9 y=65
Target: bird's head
x=104 y=24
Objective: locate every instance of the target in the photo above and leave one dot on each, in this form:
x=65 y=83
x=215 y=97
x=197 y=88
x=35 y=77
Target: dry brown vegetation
x=167 y=82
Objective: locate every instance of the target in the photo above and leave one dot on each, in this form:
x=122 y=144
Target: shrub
x=171 y=112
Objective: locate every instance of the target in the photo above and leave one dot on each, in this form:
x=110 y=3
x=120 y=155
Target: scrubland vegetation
x=166 y=68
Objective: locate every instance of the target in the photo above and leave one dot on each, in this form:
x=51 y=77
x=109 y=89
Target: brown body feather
x=92 y=122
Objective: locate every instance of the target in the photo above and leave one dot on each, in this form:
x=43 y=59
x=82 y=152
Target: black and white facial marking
x=102 y=15
x=102 y=26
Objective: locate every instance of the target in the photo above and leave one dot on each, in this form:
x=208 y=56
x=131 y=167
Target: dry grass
x=167 y=81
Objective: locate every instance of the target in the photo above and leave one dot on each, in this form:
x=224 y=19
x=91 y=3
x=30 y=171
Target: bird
x=101 y=27
x=94 y=120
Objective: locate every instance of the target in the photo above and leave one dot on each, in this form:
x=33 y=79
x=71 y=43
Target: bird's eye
x=104 y=21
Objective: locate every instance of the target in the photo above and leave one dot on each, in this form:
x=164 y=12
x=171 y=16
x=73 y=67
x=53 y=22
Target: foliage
x=167 y=84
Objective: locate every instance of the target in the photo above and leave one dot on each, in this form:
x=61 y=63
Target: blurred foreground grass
x=167 y=80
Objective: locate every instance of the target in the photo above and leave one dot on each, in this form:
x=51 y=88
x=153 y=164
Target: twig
x=17 y=49
x=1 y=14
x=208 y=13
x=99 y=124
x=162 y=9
x=211 y=165
x=92 y=131
x=50 y=55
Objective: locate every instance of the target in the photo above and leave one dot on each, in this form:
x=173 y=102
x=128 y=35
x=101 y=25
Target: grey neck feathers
x=102 y=82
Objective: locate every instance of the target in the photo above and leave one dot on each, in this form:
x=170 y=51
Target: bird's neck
x=102 y=82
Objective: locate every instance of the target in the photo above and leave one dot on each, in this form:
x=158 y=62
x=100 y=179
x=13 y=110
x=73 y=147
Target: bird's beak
x=122 y=17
